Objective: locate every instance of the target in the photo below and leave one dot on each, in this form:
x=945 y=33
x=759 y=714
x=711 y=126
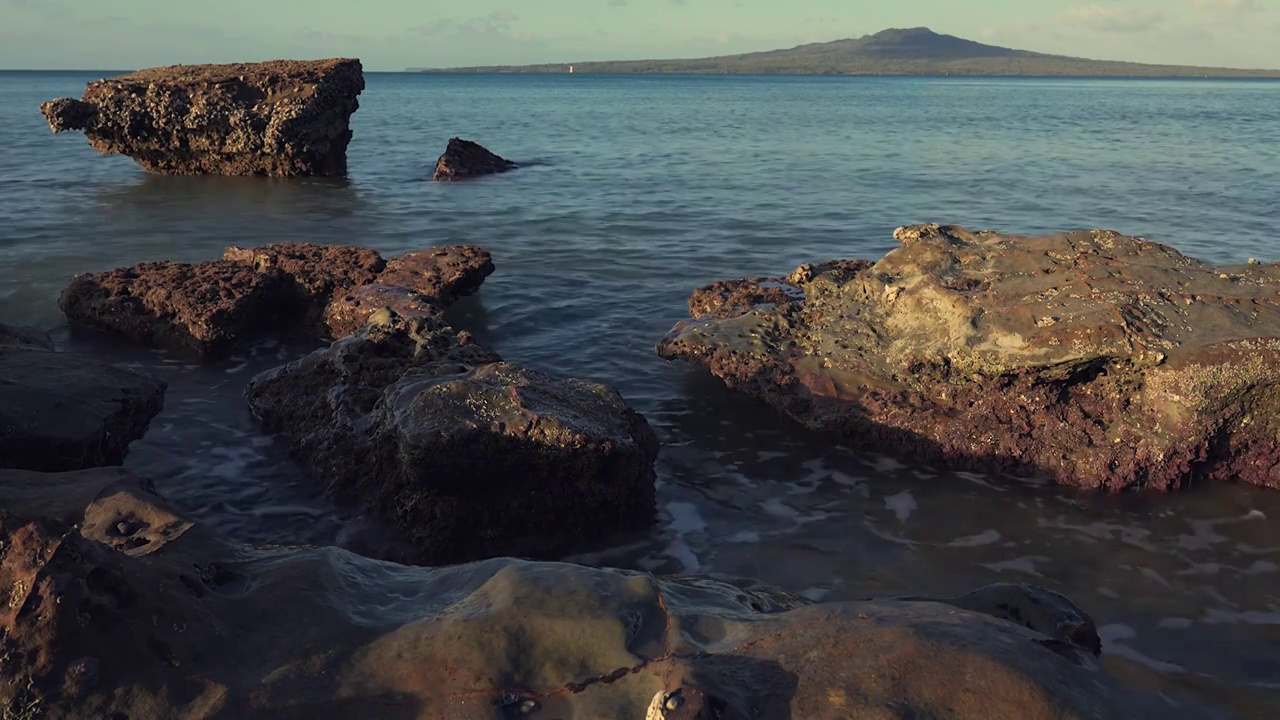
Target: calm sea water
x=640 y=189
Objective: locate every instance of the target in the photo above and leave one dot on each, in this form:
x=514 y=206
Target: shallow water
x=639 y=189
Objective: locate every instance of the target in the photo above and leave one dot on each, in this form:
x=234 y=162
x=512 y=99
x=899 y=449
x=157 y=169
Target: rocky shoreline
x=1093 y=358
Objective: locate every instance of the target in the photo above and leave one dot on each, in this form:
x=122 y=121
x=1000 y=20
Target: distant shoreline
x=1268 y=77
x=897 y=52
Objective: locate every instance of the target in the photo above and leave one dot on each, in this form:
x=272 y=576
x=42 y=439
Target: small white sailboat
x=570 y=69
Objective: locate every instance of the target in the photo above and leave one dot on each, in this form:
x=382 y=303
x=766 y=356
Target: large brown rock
x=1094 y=358
x=65 y=411
x=204 y=309
x=464 y=160
x=279 y=118
x=120 y=608
x=464 y=455
x=209 y=309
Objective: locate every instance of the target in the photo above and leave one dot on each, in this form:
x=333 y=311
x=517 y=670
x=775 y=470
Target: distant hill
x=915 y=51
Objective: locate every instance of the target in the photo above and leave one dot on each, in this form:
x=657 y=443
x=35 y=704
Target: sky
x=395 y=34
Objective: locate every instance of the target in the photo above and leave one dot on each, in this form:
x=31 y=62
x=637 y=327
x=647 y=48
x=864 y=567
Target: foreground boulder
x=208 y=309
x=464 y=455
x=65 y=411
x=120 y=608
x=279 y=118
x=1096 y=359
x=463 y=160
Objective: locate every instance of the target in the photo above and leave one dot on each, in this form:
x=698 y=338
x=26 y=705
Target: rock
x=210 y=308
x=463 y=160
x=24 y=337
x=313 y=274
x=464 y=455
x=204 y=309
x=413 y=285
x=279 y=118
x=65 y=411
x=198 y=627
x=1093 y=358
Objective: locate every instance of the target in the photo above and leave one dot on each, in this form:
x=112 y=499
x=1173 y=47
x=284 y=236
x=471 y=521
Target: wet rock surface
x=463 y=160
x=119 y=608
x=1094 y=358
x=66 y=411
x=24 y=337
x=208 y=309
x=279 y=118
x=414 y=284
x=463 y=455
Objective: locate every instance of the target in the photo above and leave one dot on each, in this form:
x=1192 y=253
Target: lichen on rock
x=279 y=118
x=1093 y=358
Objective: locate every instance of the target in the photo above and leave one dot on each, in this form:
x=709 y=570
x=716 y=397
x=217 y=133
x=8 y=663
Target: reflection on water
x=645 y=189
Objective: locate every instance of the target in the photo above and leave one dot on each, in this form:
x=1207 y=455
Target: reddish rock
x=210 y=308
x=463 y=160
x=1092 y=358
x=118 y=607
x=278 y=118
x=205 y=309
x=463 y=455
x=65 y=411
x=313 y=273
x=413 y=285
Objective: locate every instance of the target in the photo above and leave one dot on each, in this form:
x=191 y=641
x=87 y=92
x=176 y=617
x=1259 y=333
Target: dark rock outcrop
x=1097 y=359
x=209 y=308
x=120 y=608
x=463 y=160
x=65 y=411
x=464 y=455
x=279 y=118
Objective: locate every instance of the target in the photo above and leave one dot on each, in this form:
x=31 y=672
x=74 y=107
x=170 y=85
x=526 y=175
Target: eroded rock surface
x=463 y=160
x=120 y=608
x=1094 y=358
x=66 y=411
x=464 y=455
x=210 y=308
x=414 y=284
x=279 y=118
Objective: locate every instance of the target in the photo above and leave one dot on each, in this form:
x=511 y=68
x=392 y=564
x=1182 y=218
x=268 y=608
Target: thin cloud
x=1113 y=18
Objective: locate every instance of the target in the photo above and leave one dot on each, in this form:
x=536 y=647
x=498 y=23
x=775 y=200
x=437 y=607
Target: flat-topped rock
x=1094 y=358
x=120 y=607
x=66 y=411
x=210 y=308
x=464 y=160
x=279 y=118
x=463 y=455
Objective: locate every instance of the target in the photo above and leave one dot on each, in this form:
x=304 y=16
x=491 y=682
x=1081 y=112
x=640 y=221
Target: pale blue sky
x=394 y=34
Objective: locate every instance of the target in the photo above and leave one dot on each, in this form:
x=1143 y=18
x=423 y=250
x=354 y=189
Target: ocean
x=635 y=190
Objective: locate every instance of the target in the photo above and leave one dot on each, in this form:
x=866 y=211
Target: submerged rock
x=24 y=337
x=65 y=411
x=1094 y=358
x=279 y=118
x=120 y=608
x=464 y=455
x=463 y=159
x=209 y=308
